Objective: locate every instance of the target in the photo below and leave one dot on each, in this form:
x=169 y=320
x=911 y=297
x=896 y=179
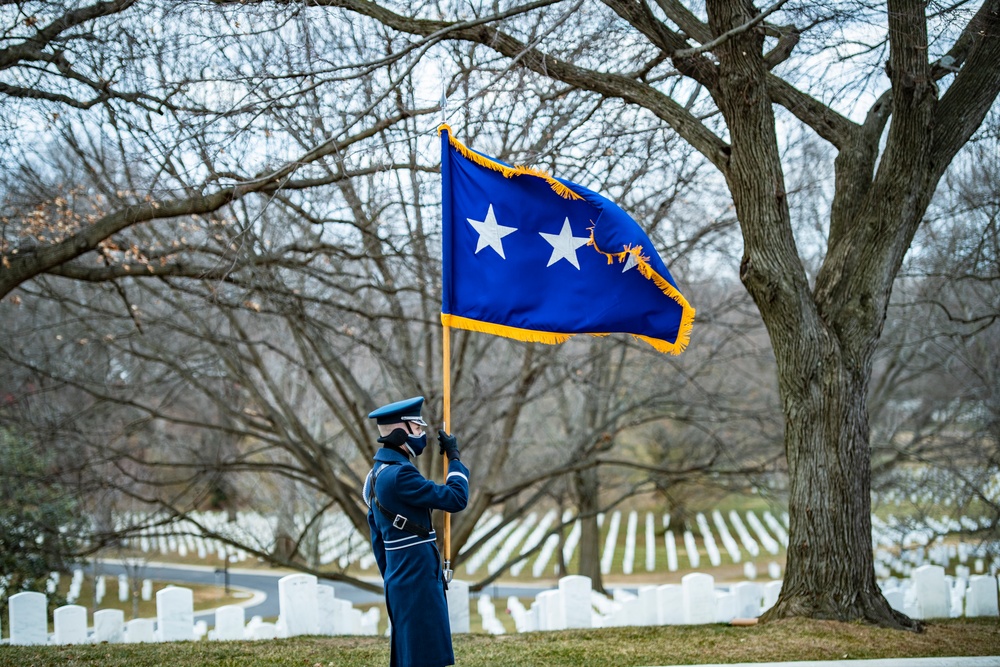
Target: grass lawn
x=786 y=640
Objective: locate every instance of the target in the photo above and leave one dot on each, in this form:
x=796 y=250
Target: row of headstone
x=929 y=593
x=714 y=557
x=533 y=540
x=100 y=587
x=29 y=621
x=696 y=600
x=305 y=608
x=340 y=542
x=900 y=547
x=751 y=534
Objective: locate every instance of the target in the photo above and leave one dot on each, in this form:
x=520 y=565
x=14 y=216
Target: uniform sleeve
x=378 y=546
x=452 y=496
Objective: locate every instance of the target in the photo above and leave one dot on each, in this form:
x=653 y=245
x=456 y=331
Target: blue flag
x=535 y=258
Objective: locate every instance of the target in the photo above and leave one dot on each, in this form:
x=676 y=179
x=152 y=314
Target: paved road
x=264 y=585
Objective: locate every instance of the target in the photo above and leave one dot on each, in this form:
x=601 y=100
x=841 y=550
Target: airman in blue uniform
x=400 y=501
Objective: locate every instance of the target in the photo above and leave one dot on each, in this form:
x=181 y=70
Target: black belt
x=398 y=520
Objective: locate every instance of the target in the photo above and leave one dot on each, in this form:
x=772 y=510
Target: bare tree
x=756 y=68
x=727 y=81
x=935 y=410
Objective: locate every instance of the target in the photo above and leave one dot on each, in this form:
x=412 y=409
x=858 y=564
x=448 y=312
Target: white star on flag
x=630 y=263
x=564 y=244
x=490 y=232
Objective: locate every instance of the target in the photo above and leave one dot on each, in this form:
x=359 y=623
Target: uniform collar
x=386 y=455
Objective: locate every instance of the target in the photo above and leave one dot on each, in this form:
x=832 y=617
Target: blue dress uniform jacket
x=410 y=564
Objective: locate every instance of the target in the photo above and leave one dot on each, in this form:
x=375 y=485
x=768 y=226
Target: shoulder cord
x=397 y=520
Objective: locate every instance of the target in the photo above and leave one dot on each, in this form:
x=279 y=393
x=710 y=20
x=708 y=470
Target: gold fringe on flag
x=526 y=335
x=508 y=172
x=642 y=263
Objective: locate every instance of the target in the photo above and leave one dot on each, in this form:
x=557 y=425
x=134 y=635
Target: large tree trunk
x=830 y=569
x=587 y=488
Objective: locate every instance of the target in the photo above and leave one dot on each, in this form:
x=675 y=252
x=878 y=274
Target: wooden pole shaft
x=446 y=400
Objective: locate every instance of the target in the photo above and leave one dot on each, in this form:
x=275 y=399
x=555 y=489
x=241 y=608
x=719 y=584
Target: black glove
x=449 y=445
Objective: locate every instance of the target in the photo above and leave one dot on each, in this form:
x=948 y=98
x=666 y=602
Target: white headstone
x=531 y=619
x=895 y=598
x=772 y=590
x=671 y=544
x=263 y=631
x=692 y=549
x=650 y=543
x=369 y=622
x=29 y=622
x=100 y=589
x=670 y=604
x=748 y=599
x=699 y=598
x=774 y=570
x=122 y=588
x=458 y=606
x=354 y=621
x=725 y=606
x=517 y=611
x=750 y=570
x=646 y=611
x=933 y=597
x=324 y=604
x=109 y=626
x=147 y=589
x=981 y=599
x=628 y=614
x=139 y=631
x=610 y=542
x=342 y=617
x=957 y=596
x=487 y=610
x=628 y=560
x=70 y=623
x=576 y=600
x=175 y=614
x=551 y=611
x=229 y=623
x=298 y=604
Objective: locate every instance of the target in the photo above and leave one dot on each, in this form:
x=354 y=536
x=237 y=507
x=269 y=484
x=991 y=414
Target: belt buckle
x=399 y=521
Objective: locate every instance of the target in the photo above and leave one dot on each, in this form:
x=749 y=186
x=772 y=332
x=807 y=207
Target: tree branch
x=610 y=85
x=21 y=266
x=729 y=34
x=970 y=96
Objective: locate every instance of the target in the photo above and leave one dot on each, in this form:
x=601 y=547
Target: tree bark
x=823 y=382
x=587 y=489
x=830 y=567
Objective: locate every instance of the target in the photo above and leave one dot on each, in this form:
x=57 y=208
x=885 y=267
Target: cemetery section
x=720 y=567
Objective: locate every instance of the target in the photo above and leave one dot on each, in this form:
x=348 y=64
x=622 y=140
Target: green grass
x=783 y=641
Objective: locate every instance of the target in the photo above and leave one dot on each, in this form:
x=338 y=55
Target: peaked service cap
x=407 y=409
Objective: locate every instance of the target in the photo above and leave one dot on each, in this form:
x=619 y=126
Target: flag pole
x=445 y=341
x=446 y=393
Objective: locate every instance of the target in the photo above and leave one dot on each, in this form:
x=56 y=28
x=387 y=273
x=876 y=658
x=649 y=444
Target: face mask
x=417 y=443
